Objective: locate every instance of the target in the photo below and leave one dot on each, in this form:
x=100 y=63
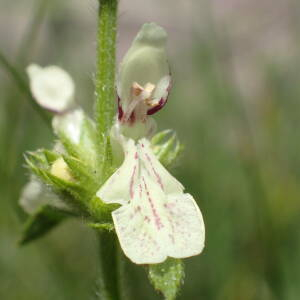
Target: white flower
x=52 y=87
x=156 y=219
x=35 y=195
x=144 y=76
x=70 y=124
x=143 y=86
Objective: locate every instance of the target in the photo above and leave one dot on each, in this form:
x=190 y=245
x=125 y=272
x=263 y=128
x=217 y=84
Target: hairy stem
x=104 y=113
x=105 y=81
x=105 y=74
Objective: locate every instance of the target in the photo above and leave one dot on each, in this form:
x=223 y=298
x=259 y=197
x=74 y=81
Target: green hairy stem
x=105 y=73
x=104 y=113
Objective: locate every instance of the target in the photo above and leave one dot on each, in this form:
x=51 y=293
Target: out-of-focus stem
x=20 y=83
x=109 y=280
x=29 y=39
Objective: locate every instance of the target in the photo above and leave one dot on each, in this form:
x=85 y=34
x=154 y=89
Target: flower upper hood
x=144 y=76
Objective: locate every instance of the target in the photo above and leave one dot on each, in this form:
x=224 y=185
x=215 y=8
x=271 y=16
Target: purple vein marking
x=158 y=223
x=140 y=189
x=132 y=182
x=154 y=171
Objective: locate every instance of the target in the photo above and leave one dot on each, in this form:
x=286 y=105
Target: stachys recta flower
x=156 y=219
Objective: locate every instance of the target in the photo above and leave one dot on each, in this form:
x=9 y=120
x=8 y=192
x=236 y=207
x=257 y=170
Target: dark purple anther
x=158 y=107
x=120 y=110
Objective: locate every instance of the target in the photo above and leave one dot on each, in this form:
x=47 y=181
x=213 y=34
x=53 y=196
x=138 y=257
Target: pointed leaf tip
x=40 y=223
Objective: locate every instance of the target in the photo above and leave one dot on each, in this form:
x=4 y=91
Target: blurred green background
x=235 y=104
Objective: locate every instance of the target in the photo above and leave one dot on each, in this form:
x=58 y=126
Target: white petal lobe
x=34 y=195
x=52 y=87
x=167 y=182
x=69 y=124
x=119 y=187
x=186 y=226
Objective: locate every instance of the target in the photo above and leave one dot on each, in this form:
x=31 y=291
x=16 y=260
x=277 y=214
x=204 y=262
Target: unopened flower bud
x=61 y=170
x=52 y=87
